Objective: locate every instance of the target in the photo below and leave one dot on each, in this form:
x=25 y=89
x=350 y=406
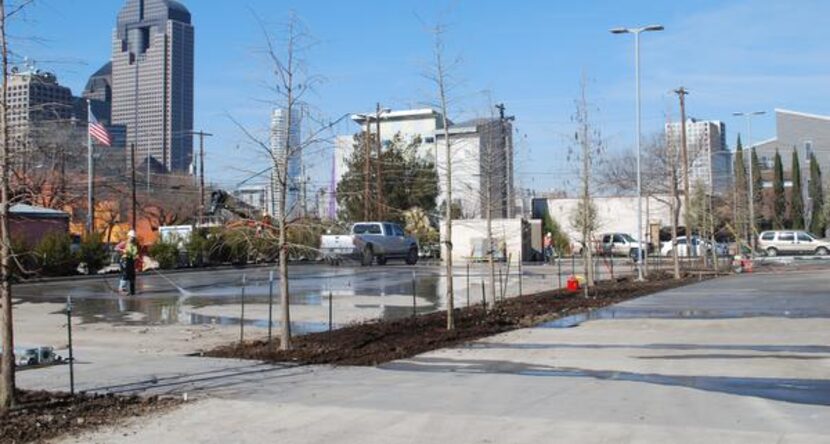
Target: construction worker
x=129 y=253
x=548 y=248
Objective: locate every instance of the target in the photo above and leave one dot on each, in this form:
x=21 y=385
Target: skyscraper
x=279 y=133
x=152 y=82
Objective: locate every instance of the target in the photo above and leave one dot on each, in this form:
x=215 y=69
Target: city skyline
x=539 y=67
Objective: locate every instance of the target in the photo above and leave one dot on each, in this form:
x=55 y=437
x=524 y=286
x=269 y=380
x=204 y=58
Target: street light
x=636 y=32
x=751 y=197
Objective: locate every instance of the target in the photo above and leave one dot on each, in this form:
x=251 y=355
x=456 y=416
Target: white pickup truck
x=371 y=242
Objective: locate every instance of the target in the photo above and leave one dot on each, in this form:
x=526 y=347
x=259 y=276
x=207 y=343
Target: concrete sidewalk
x=758 y=371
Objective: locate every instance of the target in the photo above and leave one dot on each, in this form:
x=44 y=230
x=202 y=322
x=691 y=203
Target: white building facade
x=710 y=162
x=482 y=156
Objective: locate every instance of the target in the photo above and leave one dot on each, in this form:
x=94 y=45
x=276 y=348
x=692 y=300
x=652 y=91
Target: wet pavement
x=215 y=297
x=741 y=359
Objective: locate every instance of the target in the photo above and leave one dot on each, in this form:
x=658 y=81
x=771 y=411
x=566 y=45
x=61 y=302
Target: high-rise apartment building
x=152 y=81
x=37 y=107
x=710 y=162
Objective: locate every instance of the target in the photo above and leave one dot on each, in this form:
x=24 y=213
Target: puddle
x=183 y=298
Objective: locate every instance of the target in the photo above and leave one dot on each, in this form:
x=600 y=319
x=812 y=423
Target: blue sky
x=731 y=55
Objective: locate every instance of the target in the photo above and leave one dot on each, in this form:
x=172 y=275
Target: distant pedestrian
x=549 y=251
x=129 y=253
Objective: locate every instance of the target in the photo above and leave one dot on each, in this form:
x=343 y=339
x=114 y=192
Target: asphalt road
x=742 y=359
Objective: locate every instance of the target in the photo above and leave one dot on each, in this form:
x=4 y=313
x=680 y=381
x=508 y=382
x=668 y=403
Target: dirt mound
x=373 y=343
x=40 y=416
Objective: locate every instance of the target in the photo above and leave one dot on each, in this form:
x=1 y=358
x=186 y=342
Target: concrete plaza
x=737 y=359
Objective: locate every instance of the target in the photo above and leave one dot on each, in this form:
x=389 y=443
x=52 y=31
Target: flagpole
x=90 y=214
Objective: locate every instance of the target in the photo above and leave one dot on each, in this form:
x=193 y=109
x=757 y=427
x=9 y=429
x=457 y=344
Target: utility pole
x=367 y=169
x=684 y=154
x=508 y=162
x=303 y=191
x=380 y=208
x=132 y=183
x=133 y=147
x=202 y=136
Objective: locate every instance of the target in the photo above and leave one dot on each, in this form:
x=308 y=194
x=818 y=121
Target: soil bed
x=376 y=342
x=41 y=416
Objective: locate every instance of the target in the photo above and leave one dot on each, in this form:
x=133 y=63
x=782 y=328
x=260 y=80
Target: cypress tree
x=779 y=200
x=741 y=204
x=816 y=192
x=796 y=196
x=757 y=188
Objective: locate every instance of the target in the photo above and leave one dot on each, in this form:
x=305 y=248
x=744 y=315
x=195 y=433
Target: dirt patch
x=376 y=342
x=40 y=416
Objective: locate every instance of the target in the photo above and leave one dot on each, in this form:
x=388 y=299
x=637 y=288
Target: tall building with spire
x=152 y=82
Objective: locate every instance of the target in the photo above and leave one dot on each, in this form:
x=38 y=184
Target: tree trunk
x=7 y=379
x=675 y=217
x=440 y=79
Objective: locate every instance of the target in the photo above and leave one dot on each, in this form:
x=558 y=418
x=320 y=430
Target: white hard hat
x=131 y=234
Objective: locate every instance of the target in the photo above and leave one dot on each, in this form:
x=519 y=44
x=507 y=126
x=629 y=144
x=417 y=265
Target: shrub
x=92 y=251
x=166 y=253
x=24 y=262
x=198 y=248
x=54 y=255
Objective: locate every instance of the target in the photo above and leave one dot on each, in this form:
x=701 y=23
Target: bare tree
x=7 y=378
x=291 y=84
x=439 y=75
x=589 y=144
x=661 y=175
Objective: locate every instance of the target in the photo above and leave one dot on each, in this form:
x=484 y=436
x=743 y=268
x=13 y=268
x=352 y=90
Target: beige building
x=35 y=98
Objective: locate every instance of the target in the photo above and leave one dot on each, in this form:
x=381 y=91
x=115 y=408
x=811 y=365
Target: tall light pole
x=636 y=31
x=751 y=197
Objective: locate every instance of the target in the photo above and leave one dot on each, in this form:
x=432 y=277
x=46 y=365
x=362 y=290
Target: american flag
x=98 y=131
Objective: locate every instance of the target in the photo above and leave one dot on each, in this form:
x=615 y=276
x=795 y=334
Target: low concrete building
x=615 y=214
x=512 y=239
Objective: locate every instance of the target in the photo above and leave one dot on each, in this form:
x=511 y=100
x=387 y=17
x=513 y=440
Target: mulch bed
x=376 y=342
x=40 y=416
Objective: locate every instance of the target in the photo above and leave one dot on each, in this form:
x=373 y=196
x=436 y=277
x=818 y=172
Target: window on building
x=808 y=149
x=429 y=139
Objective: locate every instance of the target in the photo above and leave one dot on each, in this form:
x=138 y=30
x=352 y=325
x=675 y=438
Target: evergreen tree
x=741 y=204
x=816 y=193
x=757 y=188
x=796 y=196
x=779 y=200
x=408 y=180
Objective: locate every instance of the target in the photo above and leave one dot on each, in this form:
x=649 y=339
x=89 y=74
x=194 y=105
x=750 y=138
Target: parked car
x=699 y=246
x=775 y=243
x=621 y=244
x=370 y=242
